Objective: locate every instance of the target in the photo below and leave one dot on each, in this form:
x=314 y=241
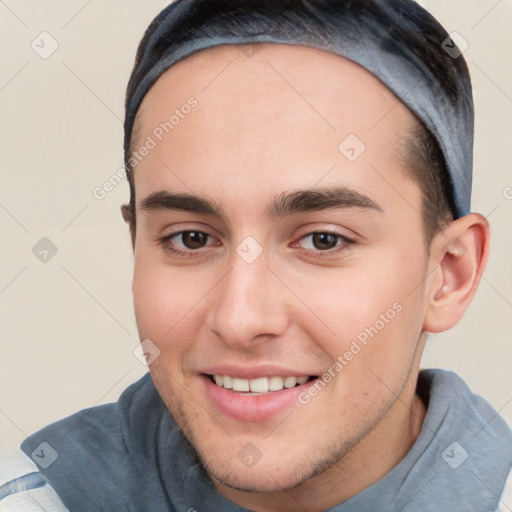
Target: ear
x=458 y=257
x=127 y=217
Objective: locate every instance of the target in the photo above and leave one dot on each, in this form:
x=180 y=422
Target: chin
x=266 y=475
x=261 y=480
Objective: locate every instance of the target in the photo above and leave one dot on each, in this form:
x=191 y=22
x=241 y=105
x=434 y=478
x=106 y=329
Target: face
x=301 y=258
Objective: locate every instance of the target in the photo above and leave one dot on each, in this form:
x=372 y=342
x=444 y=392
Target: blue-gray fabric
x=396 y=40
x=131 y=456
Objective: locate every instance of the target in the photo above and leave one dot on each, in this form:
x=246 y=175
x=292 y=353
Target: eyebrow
x=287 y=203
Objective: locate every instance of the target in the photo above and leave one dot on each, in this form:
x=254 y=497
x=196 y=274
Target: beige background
x=67 y=326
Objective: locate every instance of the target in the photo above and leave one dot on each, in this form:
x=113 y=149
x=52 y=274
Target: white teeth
x=240 y=384
x=275 y=383
x=289 y=382
x=259 y=385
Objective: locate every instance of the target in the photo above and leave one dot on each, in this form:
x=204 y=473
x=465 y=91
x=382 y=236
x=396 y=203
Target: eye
x=319 y=242
x=192 y=239
x=322 y=241
x=185 y=243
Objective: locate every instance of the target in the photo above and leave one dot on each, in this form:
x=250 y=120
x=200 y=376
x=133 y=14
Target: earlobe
x=459 y=255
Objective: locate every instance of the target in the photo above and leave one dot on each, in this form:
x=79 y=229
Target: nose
x=250 y=304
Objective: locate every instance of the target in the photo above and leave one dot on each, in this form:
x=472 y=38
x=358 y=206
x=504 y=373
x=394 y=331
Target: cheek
x=168 y=301
x=151 y=295
x=154 y=294
x=370 y=313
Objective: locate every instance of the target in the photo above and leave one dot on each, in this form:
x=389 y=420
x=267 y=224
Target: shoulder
x=23 y=487
x=463 y=421
x=97 y=457
x=100 y=435
x=87 y=432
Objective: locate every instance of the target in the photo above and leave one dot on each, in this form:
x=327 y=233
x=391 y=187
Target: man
x=300 y=177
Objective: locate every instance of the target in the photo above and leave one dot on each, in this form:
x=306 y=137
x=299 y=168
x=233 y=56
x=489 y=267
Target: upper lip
x=254 y=372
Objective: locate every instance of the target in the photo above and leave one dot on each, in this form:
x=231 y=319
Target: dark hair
x=390 y=27
x=425 y=164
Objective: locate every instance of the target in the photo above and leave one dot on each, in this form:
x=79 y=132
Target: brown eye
x=324 y=241
x=193 y=239
x=186 y=243
x=326 y=244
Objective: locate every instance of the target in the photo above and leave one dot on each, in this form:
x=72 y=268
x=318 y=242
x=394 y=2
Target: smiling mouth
x=259 y=386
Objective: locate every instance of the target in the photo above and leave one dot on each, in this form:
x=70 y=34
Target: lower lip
x=253 y=408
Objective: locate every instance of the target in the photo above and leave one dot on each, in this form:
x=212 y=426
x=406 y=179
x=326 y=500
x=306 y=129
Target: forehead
x=272 y=112
x=236 y=71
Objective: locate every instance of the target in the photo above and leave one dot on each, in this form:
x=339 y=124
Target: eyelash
x=347 y=244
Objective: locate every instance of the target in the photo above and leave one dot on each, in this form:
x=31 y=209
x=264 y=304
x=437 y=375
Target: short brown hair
x=425 y=162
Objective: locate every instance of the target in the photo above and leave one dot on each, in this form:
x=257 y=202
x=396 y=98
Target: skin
x=270 y=123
